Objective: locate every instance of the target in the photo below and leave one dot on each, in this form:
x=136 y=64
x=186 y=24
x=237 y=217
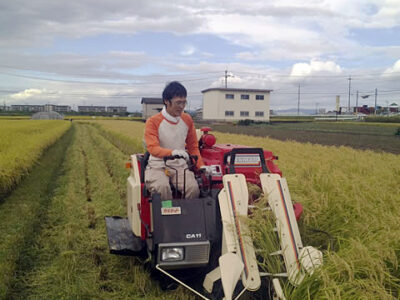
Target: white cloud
x=315 y=67
x=131 y=54
x=28 y=93
x=393 y=70
x=387 y=16
x=255 y=30
x=207 y=54
x=188 y=50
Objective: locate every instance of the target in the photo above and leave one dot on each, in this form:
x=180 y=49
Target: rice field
x=360 y=135
x=99 y=117
x=352 y=195
x=58 y=250
x=21 y=145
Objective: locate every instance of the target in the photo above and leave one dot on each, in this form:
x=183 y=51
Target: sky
x=113 y=53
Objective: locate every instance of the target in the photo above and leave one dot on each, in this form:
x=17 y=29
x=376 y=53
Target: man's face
x=176 y=106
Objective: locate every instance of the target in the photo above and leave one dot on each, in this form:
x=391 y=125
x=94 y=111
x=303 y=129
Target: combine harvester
x=209 y=236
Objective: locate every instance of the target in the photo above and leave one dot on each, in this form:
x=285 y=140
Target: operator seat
x=143 y=160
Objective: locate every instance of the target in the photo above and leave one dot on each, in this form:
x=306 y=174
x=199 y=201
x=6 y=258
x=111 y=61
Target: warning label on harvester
x=247 y=160
x=165 y=211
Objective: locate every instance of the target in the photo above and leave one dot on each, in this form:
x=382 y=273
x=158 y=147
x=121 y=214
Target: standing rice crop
x=122 y=134
x=352 y=195
x=23 y=214
x=22 y=142
x=70 y=253
x=131 y=129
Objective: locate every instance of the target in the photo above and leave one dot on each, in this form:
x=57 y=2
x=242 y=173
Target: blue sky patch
x=151 y=43
x=377 y=36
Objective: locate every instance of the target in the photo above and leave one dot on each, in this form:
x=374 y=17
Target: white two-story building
x=229 y=104
x=151 y=106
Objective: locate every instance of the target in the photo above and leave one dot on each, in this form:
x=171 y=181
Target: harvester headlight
x=172 y=254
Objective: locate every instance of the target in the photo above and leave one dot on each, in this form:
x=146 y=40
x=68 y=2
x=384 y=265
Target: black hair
x=173 y=89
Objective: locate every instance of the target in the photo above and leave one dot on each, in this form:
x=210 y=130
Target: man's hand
x=206 y=170
x=181 y=153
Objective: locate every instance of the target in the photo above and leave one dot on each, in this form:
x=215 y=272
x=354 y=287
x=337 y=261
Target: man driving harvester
x=167 y=133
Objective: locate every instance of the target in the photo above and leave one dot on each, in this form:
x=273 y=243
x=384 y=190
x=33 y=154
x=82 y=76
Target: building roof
x=152 y=101
x=237 y=90
x=91 y=106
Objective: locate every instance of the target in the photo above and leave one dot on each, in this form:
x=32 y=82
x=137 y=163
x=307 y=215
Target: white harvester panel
x=133 y=197
x=277 y=191
x=233 y=201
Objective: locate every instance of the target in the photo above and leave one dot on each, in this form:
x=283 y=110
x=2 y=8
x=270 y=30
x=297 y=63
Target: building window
x=259 y=97
x=259 y=114
x=229 y=96
x=244 y=113
x=245 y=97
x=229 y=113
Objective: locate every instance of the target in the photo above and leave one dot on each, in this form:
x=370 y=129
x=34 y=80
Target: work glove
x=182 y=153
x=206 y=170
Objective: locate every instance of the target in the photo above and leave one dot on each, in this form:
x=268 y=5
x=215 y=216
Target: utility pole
x=387 y=108
x=348 y=109
x=298 y=101
x=226 y=78
x=376 y=98
x=357 y=104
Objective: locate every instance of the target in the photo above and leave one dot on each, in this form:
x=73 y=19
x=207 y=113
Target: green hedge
x=383 y=119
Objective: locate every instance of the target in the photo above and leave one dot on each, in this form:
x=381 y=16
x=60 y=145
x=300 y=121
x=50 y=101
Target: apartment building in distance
x=40 y=108
x=116 y=109
x=91 y=108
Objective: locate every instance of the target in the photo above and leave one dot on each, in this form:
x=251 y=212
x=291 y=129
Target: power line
x=101 y=82
x=58 y=80
x=277 y=92
x=105 y=96
x=317 y=76
x=365 y=76
x=153 y=75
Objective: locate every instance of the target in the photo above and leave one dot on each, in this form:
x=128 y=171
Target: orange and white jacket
x=164 y=133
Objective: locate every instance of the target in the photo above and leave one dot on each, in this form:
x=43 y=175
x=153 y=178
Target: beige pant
x=157 y=181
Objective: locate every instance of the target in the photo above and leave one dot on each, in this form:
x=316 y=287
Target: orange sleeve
x=192 y=143
x=151 y=137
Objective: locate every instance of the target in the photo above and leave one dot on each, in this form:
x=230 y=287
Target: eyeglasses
x=180 y=103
